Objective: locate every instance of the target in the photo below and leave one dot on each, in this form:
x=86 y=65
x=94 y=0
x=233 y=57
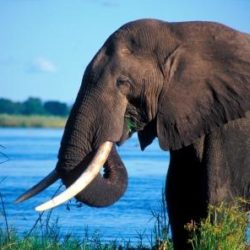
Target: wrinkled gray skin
x=180 y=82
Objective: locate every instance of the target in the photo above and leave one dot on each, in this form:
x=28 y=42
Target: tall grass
x=37 y=121
x=161 y=228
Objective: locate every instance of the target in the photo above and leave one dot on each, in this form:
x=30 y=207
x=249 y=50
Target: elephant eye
x=123 y=83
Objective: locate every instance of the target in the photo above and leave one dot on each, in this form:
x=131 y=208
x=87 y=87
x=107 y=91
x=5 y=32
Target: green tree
x=56 y=108
x=33 y=106
x=9 y=107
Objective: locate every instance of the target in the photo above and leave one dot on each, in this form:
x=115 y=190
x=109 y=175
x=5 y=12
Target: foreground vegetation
x=224 y=229
x=38 y=121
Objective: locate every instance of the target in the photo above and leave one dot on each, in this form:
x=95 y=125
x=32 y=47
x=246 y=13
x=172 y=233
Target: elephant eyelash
x=124 y=85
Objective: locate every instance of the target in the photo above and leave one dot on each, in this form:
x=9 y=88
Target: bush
x=56 y=108
x=33 y=106
x=224 y=228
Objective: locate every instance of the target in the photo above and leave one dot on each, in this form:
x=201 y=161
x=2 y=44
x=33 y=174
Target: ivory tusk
x=43 y=184
x=85 y=178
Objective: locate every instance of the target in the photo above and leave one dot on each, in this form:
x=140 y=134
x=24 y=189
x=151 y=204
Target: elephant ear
x=207 y=84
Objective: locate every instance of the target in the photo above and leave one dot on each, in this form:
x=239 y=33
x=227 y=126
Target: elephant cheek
x=111 y=127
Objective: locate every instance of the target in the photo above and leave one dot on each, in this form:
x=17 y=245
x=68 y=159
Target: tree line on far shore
x=34 y=106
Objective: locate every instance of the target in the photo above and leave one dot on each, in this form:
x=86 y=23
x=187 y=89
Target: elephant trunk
x=82 y=136
x=106 y=189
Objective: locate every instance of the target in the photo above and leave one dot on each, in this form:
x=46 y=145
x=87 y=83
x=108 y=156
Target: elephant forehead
x=127 y=63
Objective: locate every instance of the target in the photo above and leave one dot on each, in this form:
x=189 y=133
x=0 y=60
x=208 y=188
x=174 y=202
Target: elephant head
x=174 y=81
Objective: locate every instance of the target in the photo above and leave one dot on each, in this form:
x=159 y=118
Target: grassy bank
x=12 y=241
x=37 y=121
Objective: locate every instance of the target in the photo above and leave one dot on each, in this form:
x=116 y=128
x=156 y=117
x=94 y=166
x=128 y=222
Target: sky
x=45 y=45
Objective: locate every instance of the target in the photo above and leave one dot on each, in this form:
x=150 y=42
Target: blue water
x=32 y=154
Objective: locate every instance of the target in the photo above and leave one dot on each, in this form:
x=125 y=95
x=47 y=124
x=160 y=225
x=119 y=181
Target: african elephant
x=186 y=83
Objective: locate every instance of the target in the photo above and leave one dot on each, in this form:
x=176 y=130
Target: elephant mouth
x=128 y=129
x=131 y=126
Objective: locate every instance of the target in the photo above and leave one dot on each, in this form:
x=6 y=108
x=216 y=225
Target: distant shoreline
x=32 y=121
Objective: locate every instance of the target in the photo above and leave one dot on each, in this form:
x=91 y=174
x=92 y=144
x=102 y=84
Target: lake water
x=32 y=154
